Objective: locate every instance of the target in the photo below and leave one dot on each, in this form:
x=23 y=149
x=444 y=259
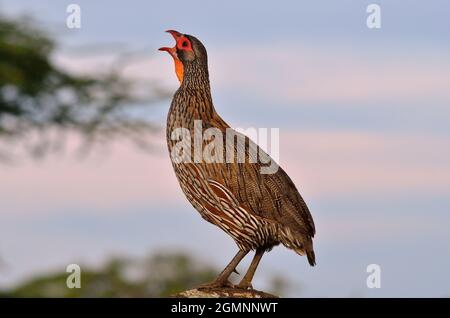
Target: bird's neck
x=196 y=76
x=193 y=99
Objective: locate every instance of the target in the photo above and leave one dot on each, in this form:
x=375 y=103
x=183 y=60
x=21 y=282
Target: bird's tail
x=311 y=257
x=301 y=245
x=309 y=249
x=309 y=254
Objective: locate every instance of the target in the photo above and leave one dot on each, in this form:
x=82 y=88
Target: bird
x=258 y=210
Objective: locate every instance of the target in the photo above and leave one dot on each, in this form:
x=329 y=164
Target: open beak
x=172 y=50
x=174 y=33
x=179 y=70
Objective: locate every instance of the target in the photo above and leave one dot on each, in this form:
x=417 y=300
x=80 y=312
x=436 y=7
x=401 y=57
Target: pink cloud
x=126 y=177
x=321 y=164
x=345 y=163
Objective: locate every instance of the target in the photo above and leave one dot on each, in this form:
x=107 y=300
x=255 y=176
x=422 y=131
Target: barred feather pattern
x=256 y=210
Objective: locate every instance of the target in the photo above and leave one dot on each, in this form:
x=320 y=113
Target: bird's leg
x=246 y=282
x=222 y=279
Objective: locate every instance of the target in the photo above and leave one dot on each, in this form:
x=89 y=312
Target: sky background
x=364 y=119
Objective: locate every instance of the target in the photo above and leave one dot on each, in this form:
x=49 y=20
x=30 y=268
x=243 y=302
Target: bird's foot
x=244 y=284
x=216 y=284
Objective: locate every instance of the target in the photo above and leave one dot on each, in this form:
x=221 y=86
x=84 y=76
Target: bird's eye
x=185 y=44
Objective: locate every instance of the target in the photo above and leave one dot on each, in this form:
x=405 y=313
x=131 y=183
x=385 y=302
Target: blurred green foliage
x=158 y=275
x=37 y=96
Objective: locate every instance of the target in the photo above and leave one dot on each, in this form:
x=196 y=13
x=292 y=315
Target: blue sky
x=364 y=121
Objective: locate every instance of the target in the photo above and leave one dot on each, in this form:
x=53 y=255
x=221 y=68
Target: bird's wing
x=270 y=196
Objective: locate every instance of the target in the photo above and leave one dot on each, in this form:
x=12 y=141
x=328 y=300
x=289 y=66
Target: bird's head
x=187 y=50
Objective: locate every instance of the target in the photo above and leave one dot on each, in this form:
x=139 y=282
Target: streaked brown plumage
x=259 y=211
